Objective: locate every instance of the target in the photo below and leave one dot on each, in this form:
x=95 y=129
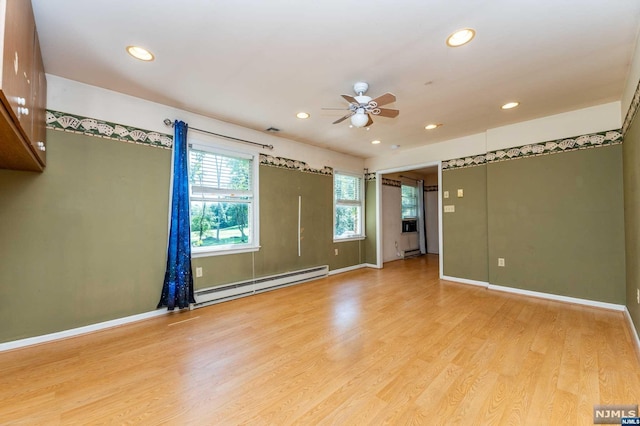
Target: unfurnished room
x=338 y=212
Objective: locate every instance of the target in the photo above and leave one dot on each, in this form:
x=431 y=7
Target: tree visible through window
x=222 y=198
x=348 y=206
x=409 y=202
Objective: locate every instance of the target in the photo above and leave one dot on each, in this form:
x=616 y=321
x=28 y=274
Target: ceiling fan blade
x=340 y=120
x=370 y=122
x=387 y=98
x=350 y=99
x=387 y=112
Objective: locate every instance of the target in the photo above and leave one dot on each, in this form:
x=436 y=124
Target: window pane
x=346 y=187
x=409 y=201
x=347 y=221
x=220 y=223
x=209 y=172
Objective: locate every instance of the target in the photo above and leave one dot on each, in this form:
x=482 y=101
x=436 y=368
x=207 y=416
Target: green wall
x=85 y=241
x=631 y=167
x=557 y=221
x=464 y=231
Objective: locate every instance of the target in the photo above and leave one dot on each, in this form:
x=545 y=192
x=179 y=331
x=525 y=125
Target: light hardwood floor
x=396 y=346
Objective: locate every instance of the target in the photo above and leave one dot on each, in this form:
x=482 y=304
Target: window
x=348 y=206
x=223 y=200
x=409 y=202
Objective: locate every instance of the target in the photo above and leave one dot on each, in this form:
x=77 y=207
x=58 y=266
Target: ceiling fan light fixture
x=303 y=115
x=359 y=119
x=140 y=53
x=510 y=105
x=461 y=37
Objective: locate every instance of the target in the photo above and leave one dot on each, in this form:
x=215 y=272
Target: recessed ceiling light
x=303 y=115
x=510 y=105
x=140 y=53
x=376 y=142
x=432 y=126
x=461 y=37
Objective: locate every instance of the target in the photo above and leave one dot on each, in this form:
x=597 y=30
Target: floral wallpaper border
x=633 y=109
x=391 y=182
x=369 y=176
x=287 y=163
x=430 y=188
x=593 y=140
x=63 y=121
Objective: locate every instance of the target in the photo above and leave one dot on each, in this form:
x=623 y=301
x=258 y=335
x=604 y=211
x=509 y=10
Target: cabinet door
x=39 y=102
x=19 y=31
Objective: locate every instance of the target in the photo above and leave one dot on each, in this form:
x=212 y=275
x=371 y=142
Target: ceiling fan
x=362 y=107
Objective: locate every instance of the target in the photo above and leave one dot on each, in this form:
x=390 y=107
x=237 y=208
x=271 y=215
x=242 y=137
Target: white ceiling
x=257 y=63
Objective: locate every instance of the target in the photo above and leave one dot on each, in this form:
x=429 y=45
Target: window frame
x=254 y=209
x=415 y=204
x=360 y=203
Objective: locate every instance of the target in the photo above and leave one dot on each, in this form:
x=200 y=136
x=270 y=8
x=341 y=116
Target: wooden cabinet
x=22 y=91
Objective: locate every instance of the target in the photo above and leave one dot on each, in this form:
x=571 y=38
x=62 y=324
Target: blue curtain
x=178 y=281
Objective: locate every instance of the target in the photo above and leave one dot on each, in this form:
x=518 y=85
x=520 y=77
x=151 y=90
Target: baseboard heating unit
x=211 y=295
x=410 y=253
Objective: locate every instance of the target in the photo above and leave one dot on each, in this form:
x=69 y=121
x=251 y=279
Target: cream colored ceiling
x=257 y=63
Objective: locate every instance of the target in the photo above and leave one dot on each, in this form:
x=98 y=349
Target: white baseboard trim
x=80 y=330
x=465 y=281
x=634 y=332
x=371 y=265
x=558 y=298
x=347 y=269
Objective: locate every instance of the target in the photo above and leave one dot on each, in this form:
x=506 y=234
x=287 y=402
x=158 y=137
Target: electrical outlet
x=501 y=261
x=335 y=251
x=460 y=193
x=446 y=194
x=199 y=272
x=450 y=209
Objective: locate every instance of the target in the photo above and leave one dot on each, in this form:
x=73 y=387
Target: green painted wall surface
x=219 y=270
x=84 y=241
x=465 y=230
x=631 y=168
x=558 y=222
x=370 y=246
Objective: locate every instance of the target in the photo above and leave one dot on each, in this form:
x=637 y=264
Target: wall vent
x=211 y=295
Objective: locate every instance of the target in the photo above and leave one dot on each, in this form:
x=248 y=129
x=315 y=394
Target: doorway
x=408 y=227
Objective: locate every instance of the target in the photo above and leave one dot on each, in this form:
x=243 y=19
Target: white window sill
x=208 y=253
x=357 y=238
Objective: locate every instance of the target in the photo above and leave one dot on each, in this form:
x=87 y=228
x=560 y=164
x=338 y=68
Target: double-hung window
x=223 y=195
x=409 y=202
x=348 y=205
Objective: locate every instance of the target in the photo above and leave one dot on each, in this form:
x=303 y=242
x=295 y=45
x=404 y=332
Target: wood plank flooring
x=394 y=346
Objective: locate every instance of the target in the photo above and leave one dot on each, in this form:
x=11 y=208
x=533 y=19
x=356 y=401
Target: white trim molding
x=347 y=269
x=16 y=344
x=558 y=298
x=541 y=295
x=634 y=332
x=465 y=281
x=371 y=265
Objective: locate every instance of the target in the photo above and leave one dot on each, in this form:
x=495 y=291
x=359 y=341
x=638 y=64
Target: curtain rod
x=169 y=123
